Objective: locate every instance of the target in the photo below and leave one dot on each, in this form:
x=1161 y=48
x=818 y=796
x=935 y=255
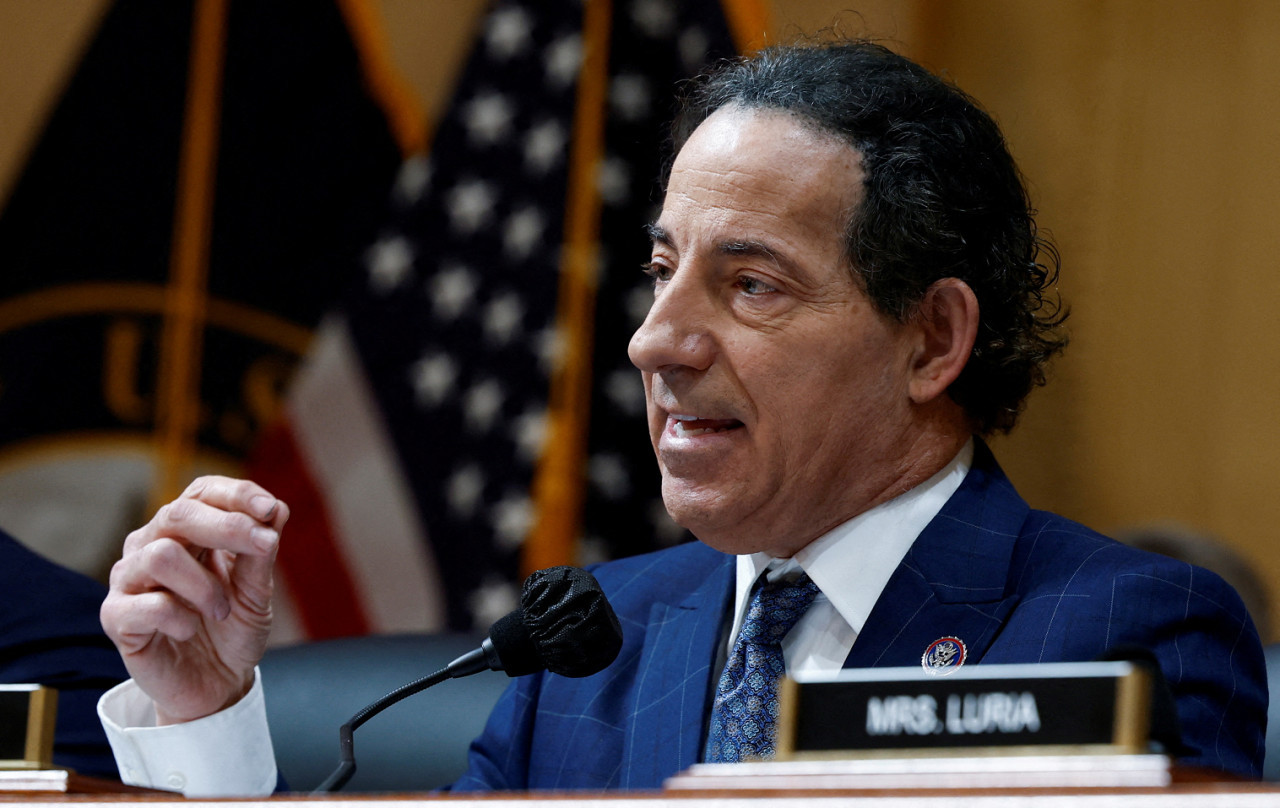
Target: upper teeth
x=684 y=431
x=688 y=431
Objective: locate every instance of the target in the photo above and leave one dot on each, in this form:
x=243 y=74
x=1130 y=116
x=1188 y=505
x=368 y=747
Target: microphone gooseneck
x=564 y=625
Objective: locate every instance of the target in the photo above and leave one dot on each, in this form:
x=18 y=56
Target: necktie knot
x=745 y=711
x=775 y=609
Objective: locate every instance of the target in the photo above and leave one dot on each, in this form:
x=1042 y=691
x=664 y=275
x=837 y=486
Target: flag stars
x=389 y=260
x=629 y=96
x=412 y=180
x=493 y=599
x=512 y=519
x=613 y=180
x=655 y=18
x=433 y=378
x=529 y=431
x=522 y=232
x=609 y=475
x=507 y=33
x=482 y=405
x=470 y=206
x=549 y=346
x=544 y=146
x=451 y=292
x=639 y=301
x=563 y=58
x=464 y=489
x=625 y=391
x=693 y=46
x=502 y=318
x=592 y=549
x=488 y=118
x=476 y=376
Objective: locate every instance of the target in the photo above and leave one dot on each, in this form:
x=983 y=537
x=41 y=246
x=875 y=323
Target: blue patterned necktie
x=745 y=712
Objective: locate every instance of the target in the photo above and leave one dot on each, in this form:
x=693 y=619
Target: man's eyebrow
x=739 y=248
x=658 y=234
x=749 y=249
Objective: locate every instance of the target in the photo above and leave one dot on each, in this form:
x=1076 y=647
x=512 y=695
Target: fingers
x=167 y=581
x=280 y=515
x=132 y=622
x=218 y=513
x=167 y=564
x=244 y=496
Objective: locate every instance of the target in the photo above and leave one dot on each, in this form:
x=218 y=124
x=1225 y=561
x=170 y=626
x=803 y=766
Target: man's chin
x=715 y=523
x=730 y=545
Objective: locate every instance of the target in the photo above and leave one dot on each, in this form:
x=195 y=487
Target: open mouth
x=689 y=426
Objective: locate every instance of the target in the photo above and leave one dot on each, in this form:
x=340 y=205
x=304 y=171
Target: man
x=846 y=293
x=49 y=636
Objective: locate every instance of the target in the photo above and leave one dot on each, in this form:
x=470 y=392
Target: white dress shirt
x=229 y=754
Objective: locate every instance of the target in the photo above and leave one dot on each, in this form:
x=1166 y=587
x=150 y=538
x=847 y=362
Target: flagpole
x=559 y=481
x=399 y=102
x=185 y=310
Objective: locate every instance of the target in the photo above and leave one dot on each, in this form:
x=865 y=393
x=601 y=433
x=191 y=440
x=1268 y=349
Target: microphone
x=564 y=625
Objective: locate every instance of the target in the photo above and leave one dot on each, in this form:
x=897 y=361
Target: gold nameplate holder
x=27 y=717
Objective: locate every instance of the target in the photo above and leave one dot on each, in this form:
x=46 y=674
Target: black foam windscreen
x=564 y=624
x=516 y=652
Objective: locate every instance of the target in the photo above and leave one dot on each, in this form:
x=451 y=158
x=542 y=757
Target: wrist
x=166 y=717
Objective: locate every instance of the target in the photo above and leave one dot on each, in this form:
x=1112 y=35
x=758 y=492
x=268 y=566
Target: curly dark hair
x=942 y=198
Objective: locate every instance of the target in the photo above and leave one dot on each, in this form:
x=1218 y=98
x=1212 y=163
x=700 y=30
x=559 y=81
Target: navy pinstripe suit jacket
x=1016 y=585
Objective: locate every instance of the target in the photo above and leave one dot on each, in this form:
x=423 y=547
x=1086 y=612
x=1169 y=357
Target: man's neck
x=932 y=446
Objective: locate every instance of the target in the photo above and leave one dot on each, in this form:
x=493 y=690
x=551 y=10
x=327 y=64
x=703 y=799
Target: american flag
x=414 y=436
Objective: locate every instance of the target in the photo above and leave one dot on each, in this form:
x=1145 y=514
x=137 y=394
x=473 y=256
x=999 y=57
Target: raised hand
x=190 y=601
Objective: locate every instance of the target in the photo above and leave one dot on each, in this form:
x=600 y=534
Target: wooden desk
x=1009 y=782
x=1201 y=796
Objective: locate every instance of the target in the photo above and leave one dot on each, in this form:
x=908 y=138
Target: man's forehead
x=734 y=131
x=751 y=166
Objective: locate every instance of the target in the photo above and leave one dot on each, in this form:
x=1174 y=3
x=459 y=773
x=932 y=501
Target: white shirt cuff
x=227 y=754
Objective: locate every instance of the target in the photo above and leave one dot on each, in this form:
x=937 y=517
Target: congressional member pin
x=943 y=656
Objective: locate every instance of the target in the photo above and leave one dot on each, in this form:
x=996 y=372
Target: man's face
x=777 y=395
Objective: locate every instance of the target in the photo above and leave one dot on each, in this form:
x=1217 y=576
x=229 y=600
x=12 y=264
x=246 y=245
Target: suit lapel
x=952 y=583
x=674 y=682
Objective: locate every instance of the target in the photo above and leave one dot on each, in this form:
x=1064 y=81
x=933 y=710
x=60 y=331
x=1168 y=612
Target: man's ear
x=946 y=322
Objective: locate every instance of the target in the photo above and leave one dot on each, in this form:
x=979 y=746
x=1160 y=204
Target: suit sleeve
x=499 y=759
x=1210 y=655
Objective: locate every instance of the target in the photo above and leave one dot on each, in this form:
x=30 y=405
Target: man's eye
x=659 y=272
x=754 y=286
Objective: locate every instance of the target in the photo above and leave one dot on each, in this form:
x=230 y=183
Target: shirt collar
x=852 y=563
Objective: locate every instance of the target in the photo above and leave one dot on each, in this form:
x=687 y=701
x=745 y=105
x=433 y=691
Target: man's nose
x=676 y=332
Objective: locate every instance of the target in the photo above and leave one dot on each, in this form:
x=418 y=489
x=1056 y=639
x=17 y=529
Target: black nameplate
x=1089 y=707
x=27 y=716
